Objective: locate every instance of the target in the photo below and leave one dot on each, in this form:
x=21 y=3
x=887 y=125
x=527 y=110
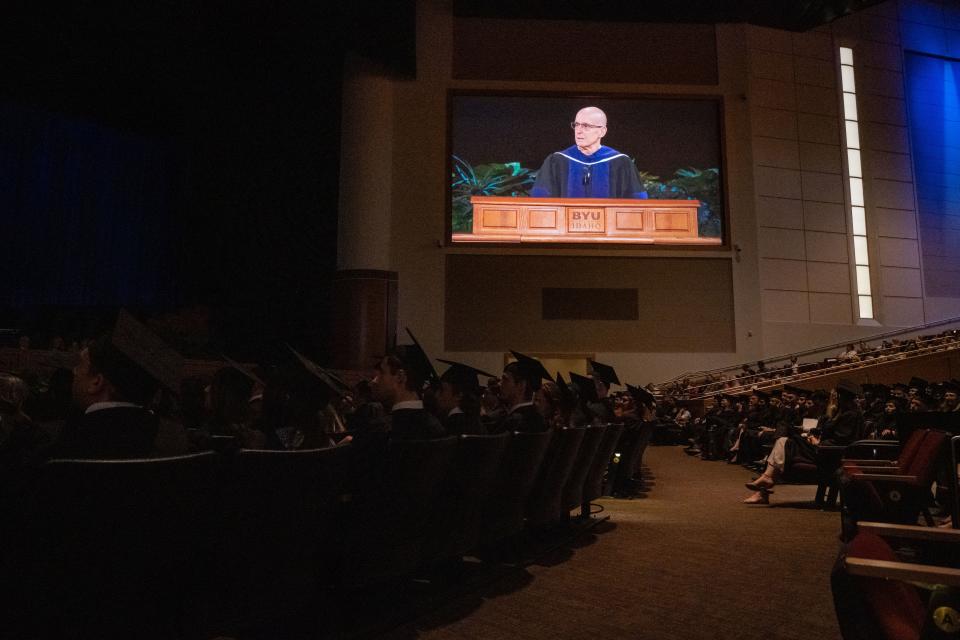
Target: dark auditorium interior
x=445 y=319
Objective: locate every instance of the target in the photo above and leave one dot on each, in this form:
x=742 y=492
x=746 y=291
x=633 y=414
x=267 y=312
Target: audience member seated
x=520 y=380
x=458 y=399
x=399 y=384
x=841 y=429
x=116 y=379
x=227 y=405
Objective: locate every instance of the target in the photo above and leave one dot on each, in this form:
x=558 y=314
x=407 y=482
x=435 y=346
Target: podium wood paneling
x=584 y=220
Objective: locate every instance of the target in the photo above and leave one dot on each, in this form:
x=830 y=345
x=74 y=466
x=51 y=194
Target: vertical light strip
x=858 y=215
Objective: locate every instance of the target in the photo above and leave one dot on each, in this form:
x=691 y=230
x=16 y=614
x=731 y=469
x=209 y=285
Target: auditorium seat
x=280 y=512
x=456 y=526
x=593 y=486
x=545 y=504
x=387 y=524
x=115 y=547
x=633 y=444
x=875 y=594
x=894 y=494
x=572 y=496
x=503 y=512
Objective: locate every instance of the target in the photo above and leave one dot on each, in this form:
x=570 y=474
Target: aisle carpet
x=684 y=560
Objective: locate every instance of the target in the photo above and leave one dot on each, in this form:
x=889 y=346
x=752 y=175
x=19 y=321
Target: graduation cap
x=245 y=370
x=566 y=393
x=603 y=372
x=530 y=369
x=847 y=389
x=900 y=386
x=918 y=383
x=463 y=376
x=586 y=387
x=951 y=387
x=777 y=393
x=415 y=360
x=763 y=395
x=318 y=372
x=641 y=395
x=135 y=360
x=797 y=391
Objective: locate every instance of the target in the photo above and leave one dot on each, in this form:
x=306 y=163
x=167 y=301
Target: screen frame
x=453 y=93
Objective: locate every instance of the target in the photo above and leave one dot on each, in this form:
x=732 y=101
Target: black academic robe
x=464 y=424
x=525 y=419
x=606 y=173
x=414 y=424
x=113 y=433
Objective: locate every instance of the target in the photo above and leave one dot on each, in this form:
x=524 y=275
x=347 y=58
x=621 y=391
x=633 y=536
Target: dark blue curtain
x=87 y=213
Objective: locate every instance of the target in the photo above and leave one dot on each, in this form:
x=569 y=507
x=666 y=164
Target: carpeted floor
x=685 y=560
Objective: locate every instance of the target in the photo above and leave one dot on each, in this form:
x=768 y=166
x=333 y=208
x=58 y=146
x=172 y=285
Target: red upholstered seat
x=895 y=608
x=907 y=454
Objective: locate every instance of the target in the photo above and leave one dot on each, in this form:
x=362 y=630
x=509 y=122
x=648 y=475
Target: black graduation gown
x=606 y=173
x=414 y=424
x=113 y=433
x=525 y=419
x=464 y=424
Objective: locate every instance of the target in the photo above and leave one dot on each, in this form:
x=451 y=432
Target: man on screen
x=588 y=169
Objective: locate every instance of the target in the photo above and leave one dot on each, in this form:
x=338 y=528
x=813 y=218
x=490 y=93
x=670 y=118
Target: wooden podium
x=584 y=220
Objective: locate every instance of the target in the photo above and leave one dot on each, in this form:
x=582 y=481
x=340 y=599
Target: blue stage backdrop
x=934 y=108
x=88 y=213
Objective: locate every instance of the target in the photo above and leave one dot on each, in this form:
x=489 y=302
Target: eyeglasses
x=584 y=125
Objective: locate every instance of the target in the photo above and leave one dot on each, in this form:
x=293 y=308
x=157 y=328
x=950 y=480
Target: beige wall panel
x=896 y=252
x=822 y=187
x=888 y=166
x=878 y=82
x=893 y=223
x=769 y=39
x=830 y=308
x=817 y=128
x=941 y=308
x=773 y=123
x=776 y=152
x=785 y=306
x=686 y=304
x=815 y=72
x=781 y=243
x=824 y=158
x=902 y=312
x=782 y=183
x=824 y=216
x=819 y=100
x=813 y=44
x=904 y=283
x=884 y=137
x=828 y=277
x=891 y=194
x=780 y=212
x=826 y=247
x=770 y=65
x=773 y=94
x=882 y=110
x=786 y=275
x=878 y=55
x=880 y=29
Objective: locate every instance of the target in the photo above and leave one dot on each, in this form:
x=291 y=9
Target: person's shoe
x=764 y=483
x=760 y=497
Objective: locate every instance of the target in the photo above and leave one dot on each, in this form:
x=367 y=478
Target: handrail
x=878 y=336
x=935 y=344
